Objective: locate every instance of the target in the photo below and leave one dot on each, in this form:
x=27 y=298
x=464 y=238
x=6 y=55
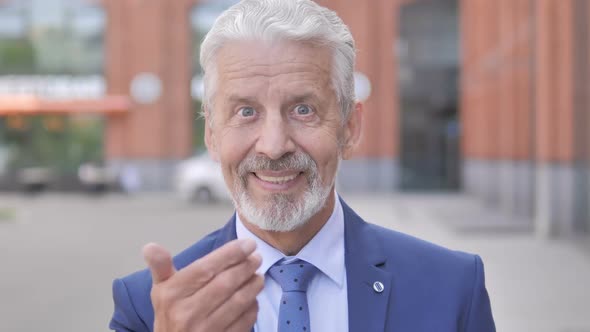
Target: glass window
x=51 y=37
x=51 y=49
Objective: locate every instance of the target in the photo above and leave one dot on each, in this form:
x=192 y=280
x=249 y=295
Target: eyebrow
x=237 y=99
x=303 y=97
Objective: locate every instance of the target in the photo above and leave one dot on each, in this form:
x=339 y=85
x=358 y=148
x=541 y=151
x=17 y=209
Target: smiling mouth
x=277 y=179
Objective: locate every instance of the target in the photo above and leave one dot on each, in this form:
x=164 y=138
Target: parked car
x=199 y=179
x=97 y=178
x=35 y=179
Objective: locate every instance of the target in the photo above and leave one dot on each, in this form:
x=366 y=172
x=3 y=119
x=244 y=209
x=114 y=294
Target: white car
x=199 y=179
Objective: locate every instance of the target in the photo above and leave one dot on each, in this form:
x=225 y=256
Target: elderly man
x=281 y=114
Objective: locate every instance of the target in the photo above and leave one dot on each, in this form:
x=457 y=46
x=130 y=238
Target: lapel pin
x=378 y=287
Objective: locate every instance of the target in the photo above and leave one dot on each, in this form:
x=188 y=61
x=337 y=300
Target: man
x=281 y=114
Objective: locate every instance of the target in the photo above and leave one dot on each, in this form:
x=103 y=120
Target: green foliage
x=62 y=150
x=17 y=56
x=55 y=50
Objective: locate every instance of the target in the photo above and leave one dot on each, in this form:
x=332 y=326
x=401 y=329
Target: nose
x=275 y=139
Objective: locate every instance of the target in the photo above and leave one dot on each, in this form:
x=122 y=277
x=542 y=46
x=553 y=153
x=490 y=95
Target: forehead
x=251 y=64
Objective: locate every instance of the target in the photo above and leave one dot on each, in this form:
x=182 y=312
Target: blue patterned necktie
x=294 y=278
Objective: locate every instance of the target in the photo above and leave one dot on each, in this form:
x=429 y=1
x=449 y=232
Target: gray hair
x=291 y=20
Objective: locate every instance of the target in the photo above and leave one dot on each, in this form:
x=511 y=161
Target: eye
x=303 y=110
x=247 y=111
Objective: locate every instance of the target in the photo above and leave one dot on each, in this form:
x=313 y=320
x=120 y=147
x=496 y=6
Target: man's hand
x=215 y=293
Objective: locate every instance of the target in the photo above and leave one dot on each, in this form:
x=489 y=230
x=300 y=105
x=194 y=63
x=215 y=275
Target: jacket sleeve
x=479 y=317
x=125 y=317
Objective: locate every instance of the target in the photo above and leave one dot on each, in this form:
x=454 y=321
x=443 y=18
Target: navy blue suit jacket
x=427 y=288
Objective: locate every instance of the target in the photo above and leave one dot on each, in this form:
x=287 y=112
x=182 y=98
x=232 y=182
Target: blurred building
x=526 y=109
x=52 y=91
x=485 y=96
x=411 y=138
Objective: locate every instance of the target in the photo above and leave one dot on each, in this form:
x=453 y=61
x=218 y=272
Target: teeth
x=277 y=180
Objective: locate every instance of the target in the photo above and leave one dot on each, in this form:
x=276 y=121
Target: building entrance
x=428 y=77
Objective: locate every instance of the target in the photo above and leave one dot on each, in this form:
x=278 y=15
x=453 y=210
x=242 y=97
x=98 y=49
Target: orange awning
x=32 y=105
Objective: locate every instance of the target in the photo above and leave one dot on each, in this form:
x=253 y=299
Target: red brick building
x=522 y=96
x=488 y=96
x=154 y=37
x=525 y=108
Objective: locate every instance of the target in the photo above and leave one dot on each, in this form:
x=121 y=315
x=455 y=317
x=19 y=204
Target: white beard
x=281 y=212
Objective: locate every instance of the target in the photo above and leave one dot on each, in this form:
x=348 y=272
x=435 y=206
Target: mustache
x=293 y=161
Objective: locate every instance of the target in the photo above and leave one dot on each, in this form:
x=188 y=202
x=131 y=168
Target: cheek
x=328 y=166
x=323 y=148
x=234 y=145
x=324 y=133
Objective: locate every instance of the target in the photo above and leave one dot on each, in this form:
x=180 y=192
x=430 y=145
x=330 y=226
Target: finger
x=159 y=261
x=200 y=272
x=238 y=303
x=233 y=284
x=246 y=321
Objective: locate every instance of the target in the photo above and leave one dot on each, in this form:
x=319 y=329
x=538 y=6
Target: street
x=60 y=252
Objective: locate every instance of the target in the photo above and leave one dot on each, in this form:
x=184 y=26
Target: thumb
x=159 y=261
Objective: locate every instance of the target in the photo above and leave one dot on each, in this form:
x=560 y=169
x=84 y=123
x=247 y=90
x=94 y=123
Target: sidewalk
x=61 y=252
x=534 y=285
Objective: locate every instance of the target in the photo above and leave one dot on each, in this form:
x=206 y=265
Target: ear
x=210 y=137
x=352 y=130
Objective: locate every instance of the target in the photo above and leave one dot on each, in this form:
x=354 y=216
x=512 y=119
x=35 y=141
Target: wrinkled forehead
x=248 y=68
x=241 y=58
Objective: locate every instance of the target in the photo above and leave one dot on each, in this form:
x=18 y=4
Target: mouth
x=277 y=181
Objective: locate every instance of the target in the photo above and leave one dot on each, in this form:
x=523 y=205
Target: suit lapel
x=367 y=307
x=226 y=234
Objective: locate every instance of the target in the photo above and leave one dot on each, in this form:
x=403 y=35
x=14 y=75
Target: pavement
x=60 y=252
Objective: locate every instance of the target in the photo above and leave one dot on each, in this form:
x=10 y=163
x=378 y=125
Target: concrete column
x=472 y=96
x=480 y=98
x=554 y=118
x=515 y=169
x=523 y=108
x=149 y=37
x=374 y=27
x=496 y=102
x=587 y=122
x=507 y=105
x=582 y=113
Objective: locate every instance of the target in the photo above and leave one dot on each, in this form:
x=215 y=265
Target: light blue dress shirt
x=327 y=293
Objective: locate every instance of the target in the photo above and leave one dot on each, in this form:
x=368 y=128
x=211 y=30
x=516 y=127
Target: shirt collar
x=325 y=250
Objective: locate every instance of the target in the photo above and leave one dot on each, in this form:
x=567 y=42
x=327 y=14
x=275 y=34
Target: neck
x=290 y=243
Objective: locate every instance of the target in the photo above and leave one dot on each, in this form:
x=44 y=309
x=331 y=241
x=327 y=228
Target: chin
x=281 y=212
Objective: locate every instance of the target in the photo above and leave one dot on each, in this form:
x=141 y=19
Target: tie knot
x=294 y=276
